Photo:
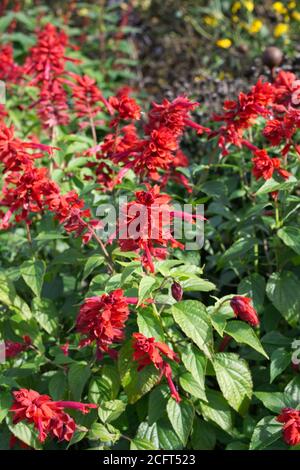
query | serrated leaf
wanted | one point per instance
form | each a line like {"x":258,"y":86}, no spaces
{"x":149,"y":324}
{"x":192,"y":318}
{"x":141,"y":444}
{"x":46,"y":314}
{"x":203,"y":436}
{"x":33,"y":273}
{"x":217,"y":410}
{"x":181,"y":416}
{"x":103,"y":433}
{"x":283,"y":291}
{"x":274,"y":401}
{"x":290,"y":237}
{"x":253,"y":286}
{"x":111,"y":410}
{"x":25,"y":432}
{"x":157,"y":403}
{"x":145,"y":288}
{"x":57,"y":385}
{"x":266,"y":432}
{"x":106,"y":386}
{"x":78,"y":375}
{"x":234,"y":378}
{"x":280,"y":360}
{"x":241,"y":332}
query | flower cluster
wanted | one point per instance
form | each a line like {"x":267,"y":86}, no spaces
{"x":47,"y":416}
{"x":102,"y":320}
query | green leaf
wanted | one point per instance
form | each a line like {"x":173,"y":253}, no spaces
{"x":280,"y":360}
{"x":266,"y":432}
{"x":5,"y":404}
{"x":195,"y":362}
{"x":149,"y":324}
{"x":158,"y":399}
{"x":26,"y":433}
{"x":241,"y":332}
{"x":111,"y":410}
{"x":197,"y":284}
{"x":141,"y":444}
{"x":238,"y":249}
{"x":135,"y":383}
{"x":192,"y":318}
{"x":105,"y":387}
{"x":293,"y":390}
{"x":168,"y":439}
{"x":103,"y":433}
{"x":9,"y":298}
{"x":33,"y":273}
{"x":272,"y":185}
{"x":78,"y":375}
{"x":274,"y":401}
{"x":145,"y":287}
{"x":290,"y":237}
{"x":192,"y":386}
{"x":92,"y":263}
{"x":148,"y":432}
{"x":57,"y":385}
{"x":254,"y":286}
{"x":217,"y":410}
{"x":234,"y":379}
{"x":203,"y":436}
{"x":181,"y":416}
{"x":46,"y":314}
{"x":283,"y":291}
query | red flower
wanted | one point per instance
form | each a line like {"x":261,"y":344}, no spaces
{"x":102,"y":320}
{"x":243,"y":309}
{"x":127,"y":107}
{"x":291,"y":425}
{"x":12,"y":348}
{"x":48,"y":416}
{"x":87,"y":96}
{"x":264,"y":166}
{"x":147,"y":351}
{"x":10,"y":72}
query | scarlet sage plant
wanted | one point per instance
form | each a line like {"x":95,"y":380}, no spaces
{"x":159,"y":327}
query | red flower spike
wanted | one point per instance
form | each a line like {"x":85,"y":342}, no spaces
{"x":147,"y":351}
{"x":48,"y":416}
{"x":102,"y":320}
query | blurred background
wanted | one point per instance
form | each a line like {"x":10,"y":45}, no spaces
{"x":206,"y":49}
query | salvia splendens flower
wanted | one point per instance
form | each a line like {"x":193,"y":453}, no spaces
{"x":47,"y":416}
{"x":147,"y":351}
{"x":291,"y":425}
{"x":244,"y":310}
{"x":102,"y":320}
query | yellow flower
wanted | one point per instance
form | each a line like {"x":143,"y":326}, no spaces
{"x":236,"y":7}
{"x":210,"y":20}
{"x":279,"y":8}
{"x":255,"y":26}
{"x":280,"y":29}
{"x":249,"y":5}
{"x":292,"y":5}
{"x":224,"y":43}
{"x":83,"y":12}
{"x":296,"y":15}
{"x":235,"y":18}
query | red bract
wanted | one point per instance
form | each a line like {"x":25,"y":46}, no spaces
{"x":291,"y":425}
{"x":264,"y":166}
{"x":13,"y":349}
{"x":52,"y":105}
{"x":87,"y":96}
{"x":102,"y":320}
{"x":174,"y":116}
{"x":146,"y":222}
{"x":126,"y":107}
{"x":10,"y":72}
{"x":46,"y":59}
{"x":48,"y":416}
{"x":244,"y":310}
{"x":147,"y":351}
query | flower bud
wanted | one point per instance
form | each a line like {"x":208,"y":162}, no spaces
{"x":177,"y":291}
